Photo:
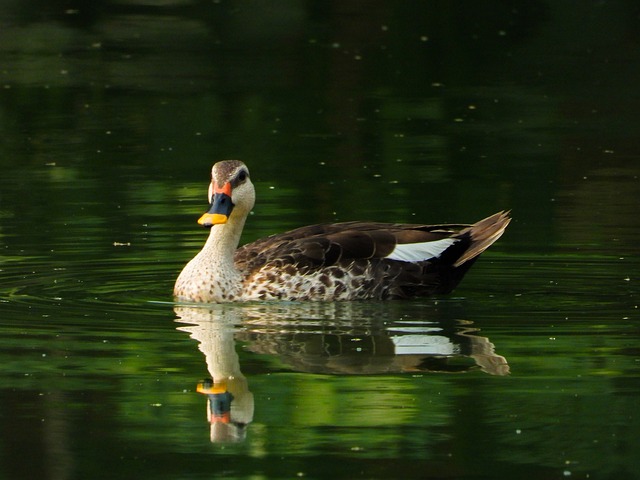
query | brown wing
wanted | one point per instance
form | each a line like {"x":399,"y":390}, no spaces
{"x":327,"y":244}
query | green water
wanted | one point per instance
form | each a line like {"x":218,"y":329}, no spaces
{"x":110,"y":118}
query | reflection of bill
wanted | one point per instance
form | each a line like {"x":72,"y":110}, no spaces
{"x":218,"y":402}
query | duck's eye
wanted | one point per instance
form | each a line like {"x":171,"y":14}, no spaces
{"x":242,"y":176}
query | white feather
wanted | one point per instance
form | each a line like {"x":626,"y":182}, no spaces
{"x":418,"y":252}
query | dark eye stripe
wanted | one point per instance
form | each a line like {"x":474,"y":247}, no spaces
{"x":241,"y":177}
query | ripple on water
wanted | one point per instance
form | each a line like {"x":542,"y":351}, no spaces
{"x":95,"y":288}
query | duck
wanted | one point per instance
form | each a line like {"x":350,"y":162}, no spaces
{"x":346,"y":261}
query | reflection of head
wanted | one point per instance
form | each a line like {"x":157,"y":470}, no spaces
{"x":223,"y":428}
{"x":228,"y":432}
{"x":220,"y":407}
{"x":228,"y":415}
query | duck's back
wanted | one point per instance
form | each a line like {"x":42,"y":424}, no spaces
{"x":361,"y":260}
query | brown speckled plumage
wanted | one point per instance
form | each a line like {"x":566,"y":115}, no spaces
{"x":343,"y":261}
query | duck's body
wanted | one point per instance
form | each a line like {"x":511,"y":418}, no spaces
{"x":342,"y":261}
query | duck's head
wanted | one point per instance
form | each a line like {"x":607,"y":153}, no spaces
{"x":230,"y":192}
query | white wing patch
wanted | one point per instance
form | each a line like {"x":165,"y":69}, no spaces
{"x":418,"y":252}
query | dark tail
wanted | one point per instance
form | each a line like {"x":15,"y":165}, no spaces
{"x":483,"y":234}
{"x":456,"y":261}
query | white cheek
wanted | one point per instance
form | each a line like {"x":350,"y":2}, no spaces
{"x":210,"y":193}
{"x":418,"y":252}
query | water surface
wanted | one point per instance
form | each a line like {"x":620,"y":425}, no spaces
{"x":110,"y":118}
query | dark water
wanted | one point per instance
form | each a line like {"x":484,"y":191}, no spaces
{"x":110,"y":118}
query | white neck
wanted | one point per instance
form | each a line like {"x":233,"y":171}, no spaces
{"x":223,"y":241}
{"x":211,"y":275}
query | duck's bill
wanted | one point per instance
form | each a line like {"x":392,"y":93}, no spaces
{"x":211,"y":219}
{"x":219,"y":212}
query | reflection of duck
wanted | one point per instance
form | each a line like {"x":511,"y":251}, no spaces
{"x":325,"y":338}
{"x":344,"y":261}
{"x":360,"y":339}
{"x":229,"y":401}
